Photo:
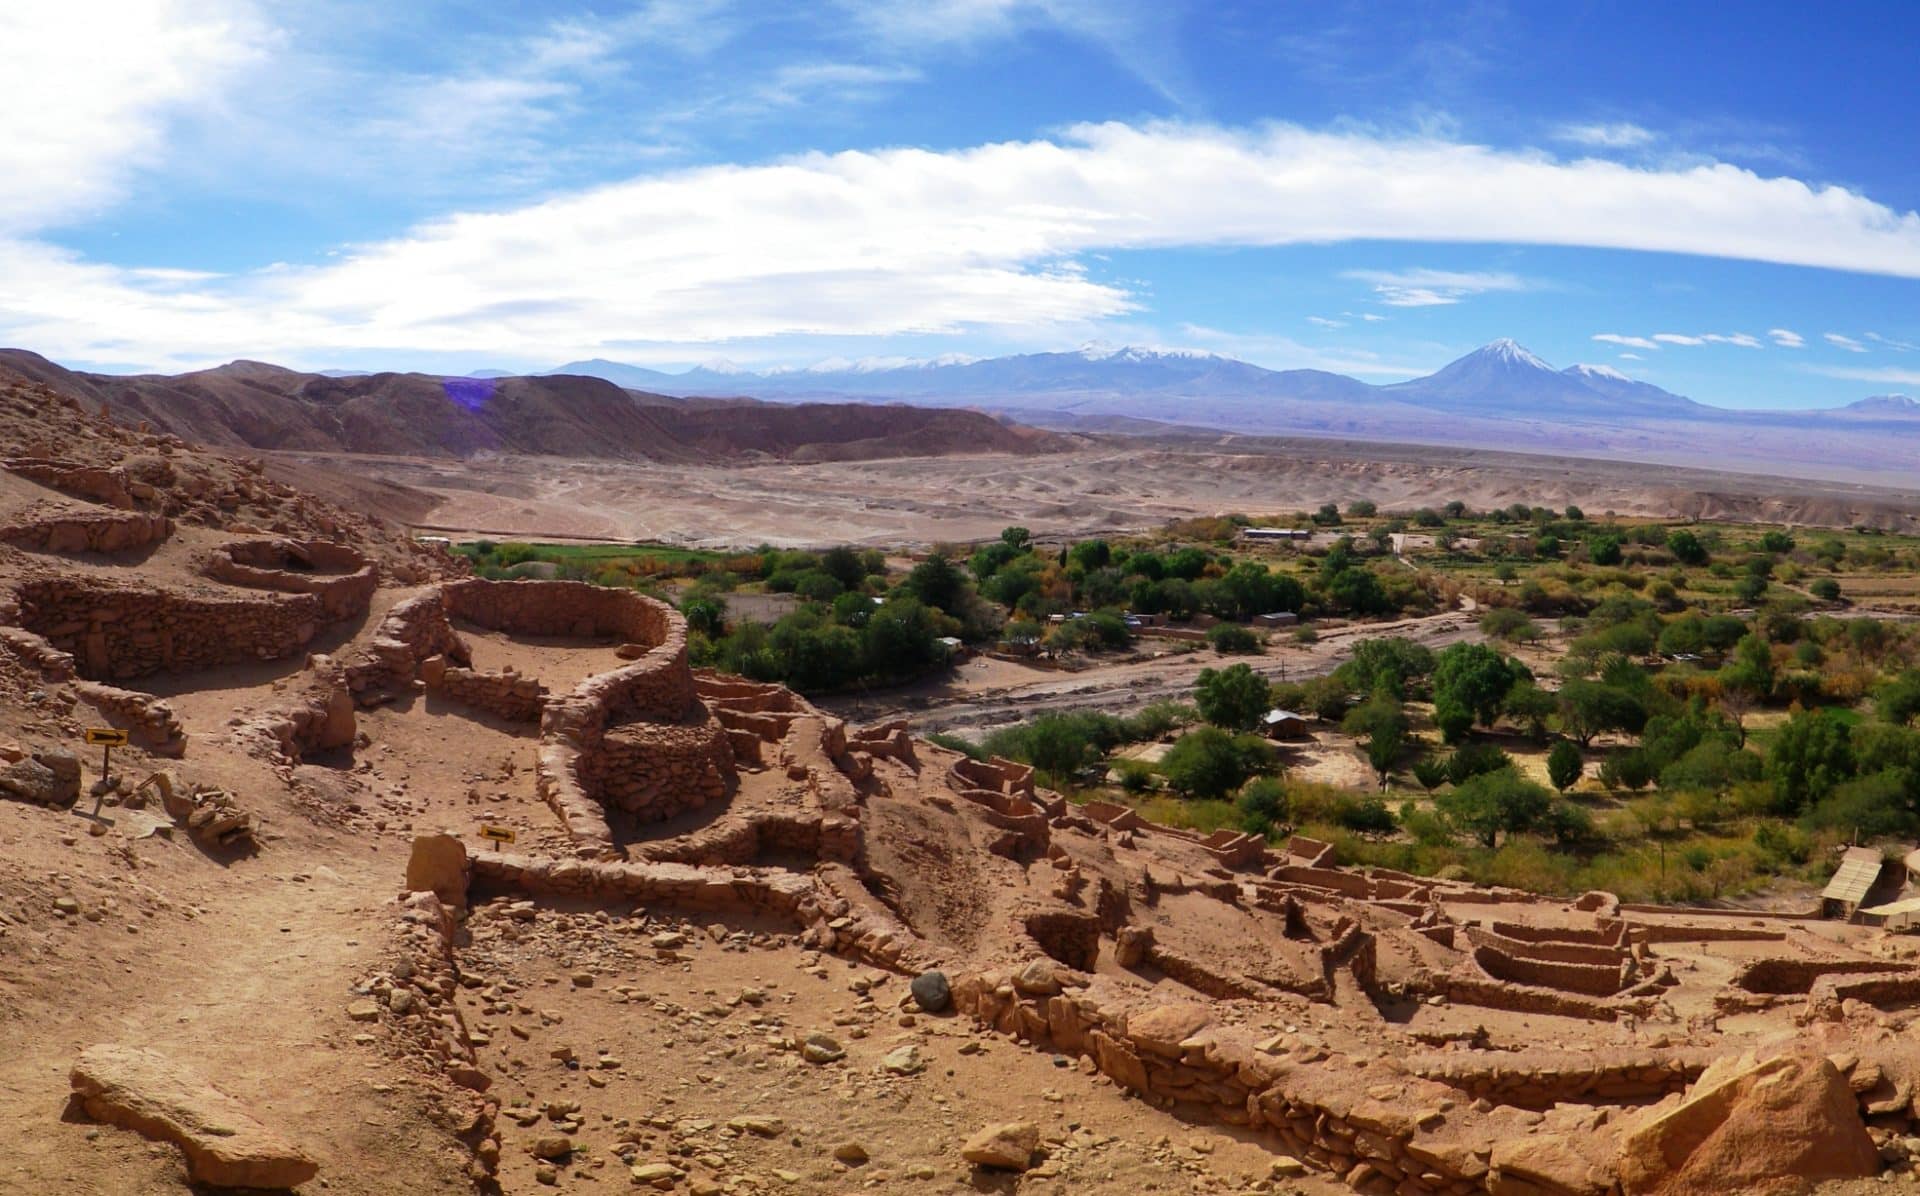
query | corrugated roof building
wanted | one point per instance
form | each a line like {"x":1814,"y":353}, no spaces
{"x":1859,"y":872}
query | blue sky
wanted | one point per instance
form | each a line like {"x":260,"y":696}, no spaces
{"x":1721,"y":201}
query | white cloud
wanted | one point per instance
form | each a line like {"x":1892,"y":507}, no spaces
{"x":1324,"y":322}
{"x":1744,"y":340}
{"x":1279,"y":352}
{"x":1632,"y":342}
{"x":91,"y":86}
{"x":1631,"y":357}
{"x":1898,"y":377}
{"x":1845,"y":342}
{"x":1620,"y":135}
{"x":909,"y":240}
{"x":1898,"y":346}
{"x":1786,"y":338}
{"x":1676,"y":338}
{"x":1433,"y":288}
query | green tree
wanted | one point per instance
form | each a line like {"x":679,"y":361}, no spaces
{"x":1234,"y":697}
{"x":1564,"y":765}
{"x":1430,"y":773}
{"x":1493,"y":803}
{"x":1898,"y":701}
{"x":1810,"y":757}
{"x":1209,"y":762}
{"x":936,"y":583}
{"x":1604,"y":550}
{"x":1530,"y":706}
{"x":1589,"y":707}
{"x":1090,"y":554}
{"x":845,"y":566}
{"x":1394,"y":663}
{"x":1469,"y":683}
{"x":1509,"y":623}
{"x":900,"y":639}
{"x":706,"y":614}
{"x":1380,"y":723}
{"x":1686,"y":547}
{"x":1017,"y":538}
{"x":1826,"y":589}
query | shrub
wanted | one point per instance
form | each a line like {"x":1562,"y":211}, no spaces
{"x":1564,"y":765}
{"x":1231,"y":639}
{"x":1209,"y":762}
{"x":1262,"y":805}
{"x":1475,"y":759}
{"x":1825,"y":588}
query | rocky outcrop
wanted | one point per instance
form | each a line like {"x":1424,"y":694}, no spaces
{"x":224,"y":1144}
{"x":1749,"y":1125}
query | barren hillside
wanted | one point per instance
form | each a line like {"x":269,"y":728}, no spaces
{"x":255,"y":405}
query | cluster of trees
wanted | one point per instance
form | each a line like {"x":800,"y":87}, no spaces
{"x":1091,"y":575}
{"x":850,"y":628}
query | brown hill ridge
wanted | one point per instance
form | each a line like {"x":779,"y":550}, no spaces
{"x":256,"y":405}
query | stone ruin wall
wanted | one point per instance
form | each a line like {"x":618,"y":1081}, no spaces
{"x":340,"y":577}
{"x":1542,"y":1079}
{"x":105,"y":484}
{"x":88,"y":531}
{"x":1786,"y":975}
{"x":636,"y":738}
{"x":145,"y":717}
{"x":117,"y":632}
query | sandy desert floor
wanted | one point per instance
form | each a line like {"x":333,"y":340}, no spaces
{"x":1110,"y":486}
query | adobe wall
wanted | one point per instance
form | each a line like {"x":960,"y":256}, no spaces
{"x":1587,"y":979}
{"x":115,"y":632}
{"x":1779,"y":975}
{"x":1829,"y":993}
{"x":340,"y":577}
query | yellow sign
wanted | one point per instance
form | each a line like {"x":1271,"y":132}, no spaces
{"x":497,"y":834}
{"x":106,"y":737}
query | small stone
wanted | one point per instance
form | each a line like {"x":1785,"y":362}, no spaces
{"x":932,"y":992}
{"x":66,"y":905}
{"x":822,"y":1048}
{"x":851,"y":1153}
{"x":553,"y":1147}
{"x":759,"y":1127}
{"x":1008,"y":1146}
{"x":1286,"y":1166}
{"x":364,"y":1010}
{"x":904,"y":1061}
{"x":546,"y":1174}
{"x":660,"y":1175}
{"x":583,"y":979}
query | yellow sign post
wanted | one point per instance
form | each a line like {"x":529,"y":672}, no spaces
{"x":497,"y":834}
{"x":106,"y":739}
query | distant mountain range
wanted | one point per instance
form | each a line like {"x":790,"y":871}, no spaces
{"x":1499,"y":395}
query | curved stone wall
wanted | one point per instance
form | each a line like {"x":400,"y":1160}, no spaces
{"x":635,"y":738}
{"x":341,"y":578}
{"x":117,"y":631}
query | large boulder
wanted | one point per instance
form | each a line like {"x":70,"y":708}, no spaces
{"x":438,"y":864}
{"x":1749,"y":1125}
{"x":225,"y":1146}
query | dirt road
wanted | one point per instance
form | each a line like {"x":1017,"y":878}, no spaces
{"x":985,"y":694}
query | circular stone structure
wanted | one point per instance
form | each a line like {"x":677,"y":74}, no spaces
{"x":340,"y":577}
{"x":635,"y":739}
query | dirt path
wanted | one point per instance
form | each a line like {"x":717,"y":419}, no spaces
{"x":978,"y":698}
